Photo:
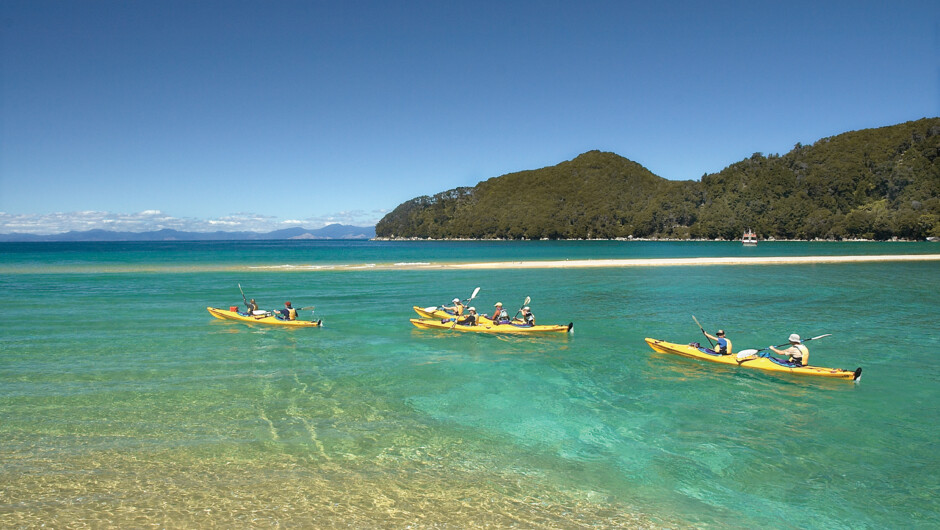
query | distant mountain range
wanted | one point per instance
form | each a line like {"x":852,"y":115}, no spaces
{"x":333,"y":231}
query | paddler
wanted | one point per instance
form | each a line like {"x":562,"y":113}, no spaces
{"x":500,"y":316}
{"x":289,"y":312}
{"x":470,"y":319}
{"x":527,"y":317}
{"x":252,"y":307}
{"x":797,"y":353}
{"x":722,"y":345}
{"x":457,"y":308}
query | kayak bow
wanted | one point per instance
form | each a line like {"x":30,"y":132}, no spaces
{"x":432,"y":312}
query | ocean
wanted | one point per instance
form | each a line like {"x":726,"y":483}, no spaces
{"x":123,"y":403}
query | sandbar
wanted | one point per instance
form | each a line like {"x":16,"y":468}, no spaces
{"x":666,"y":262}
{"x":609,"y":263}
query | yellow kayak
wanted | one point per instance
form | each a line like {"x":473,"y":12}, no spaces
{"x":769,"y":364}
{"x":488,"y":326}
{"x":436,"y":313}
{"x":432,"y":312}
{"x":225,"y":314}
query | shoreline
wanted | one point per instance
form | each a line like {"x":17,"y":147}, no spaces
{"x":656,"y":239}
{"x":611,"y":263}
{"x":672,"y":262}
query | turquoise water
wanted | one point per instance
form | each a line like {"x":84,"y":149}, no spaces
{"x":243,"y":256}
{"x":124,"y":403}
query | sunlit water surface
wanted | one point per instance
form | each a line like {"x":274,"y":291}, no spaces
{"x":124,"y":403}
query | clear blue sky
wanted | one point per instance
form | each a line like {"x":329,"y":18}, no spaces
{"x":213,"y":115}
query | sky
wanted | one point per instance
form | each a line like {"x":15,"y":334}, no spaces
{"x":251,"y":115}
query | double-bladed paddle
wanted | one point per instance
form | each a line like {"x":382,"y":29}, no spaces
{"x":468,"y":300}
{"x":243,"y":295}
{"x":251,"y":311}
{"x":747,"y":355}
{"x":433,"y":308}
{"x":524,"y":303}
{"x":474,"y":295}
{"x":703,"y":331}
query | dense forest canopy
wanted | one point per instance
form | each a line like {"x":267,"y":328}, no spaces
{"x":870,"y":184}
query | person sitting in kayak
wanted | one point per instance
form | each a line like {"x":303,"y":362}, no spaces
{"x":252,"y":307}
{"x":500,"y":316}
{"x":288,"y":313}
{"x":456,"y":309}
{"x":797,"y":354}
{"x":528,"y":319}
{"x":470,"y":319}
{"x":723,"y":345}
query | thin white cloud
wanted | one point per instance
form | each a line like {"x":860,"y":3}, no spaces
{"x":151,"y":220}
{"x":350,"y":217}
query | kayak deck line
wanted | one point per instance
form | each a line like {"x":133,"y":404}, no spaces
{"x":488,"y":326}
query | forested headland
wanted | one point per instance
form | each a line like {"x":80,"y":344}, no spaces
{"x":877,"y":184}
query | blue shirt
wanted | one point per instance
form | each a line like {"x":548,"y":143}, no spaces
{"x":722,"y":345}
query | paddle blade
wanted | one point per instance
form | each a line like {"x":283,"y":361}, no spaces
{"x":475,"y":293}
{"x":747,"y":354}
{"x":431,"y":309}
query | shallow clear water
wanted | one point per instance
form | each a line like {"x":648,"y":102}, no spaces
{"x":123,"y":402}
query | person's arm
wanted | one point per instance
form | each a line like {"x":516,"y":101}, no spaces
{"x":788,"y":352}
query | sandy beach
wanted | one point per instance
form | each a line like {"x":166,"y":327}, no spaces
{"x":666,"y":262}
{"x":611,"y":263}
